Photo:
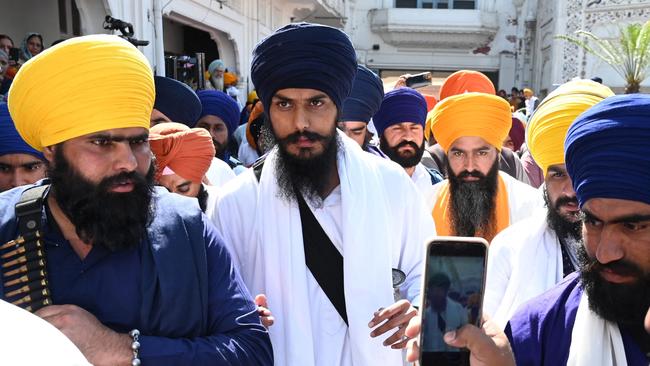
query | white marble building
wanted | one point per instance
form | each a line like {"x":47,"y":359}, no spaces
{"x":512,"y":41}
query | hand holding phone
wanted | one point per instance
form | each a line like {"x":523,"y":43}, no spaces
{"x":418,"y":80}
{"x":452,"y":296}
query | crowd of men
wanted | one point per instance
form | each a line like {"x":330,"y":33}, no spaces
{"x":145,"y":223}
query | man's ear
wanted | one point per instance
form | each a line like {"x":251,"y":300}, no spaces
{"x":48,"y":152}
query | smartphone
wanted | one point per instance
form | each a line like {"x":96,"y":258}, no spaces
{"x":452,"y":296}
{"x":14,"y":54}
{"x":419,"y":80}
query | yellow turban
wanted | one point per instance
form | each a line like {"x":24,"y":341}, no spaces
{"x":549,"y":124}
{"x":471,"y":114}
{"x":81,"y":86}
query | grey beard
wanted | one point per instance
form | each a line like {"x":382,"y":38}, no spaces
{"x":217,"y":83}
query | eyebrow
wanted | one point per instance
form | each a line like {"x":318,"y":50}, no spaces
{"x":184,"y":184}
{"x":633,"y":218}
{"x":287,"y":99}
{"x":556,"y":170}
{"x":477,"y":149}
{"x":357,"y":129}
{"x":119,"y":138}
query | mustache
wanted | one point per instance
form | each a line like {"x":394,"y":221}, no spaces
{"x":135,"y":178}
{"x":466,"y":174}
{"x":311,"y":136}
{"x":620,"y":267}
{"x":565,"y":200}
{"x":407,"y":143}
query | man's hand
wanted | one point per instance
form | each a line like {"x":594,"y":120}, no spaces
{"x":401,"y":82}
{"x":99,"y":344}
{"x":394,"y":316}
{"x":488,"y":346}
{"x":262,"y":310}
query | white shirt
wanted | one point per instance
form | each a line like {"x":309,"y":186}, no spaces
{"x":26,"y":339}
{"x":422,"y":180}
{"x":219,"y":173}
{"x":454,"y":315}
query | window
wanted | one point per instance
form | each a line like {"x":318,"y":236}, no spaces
{"x":436,"y":4}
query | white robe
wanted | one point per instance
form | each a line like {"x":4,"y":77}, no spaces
{"x":27,"y":339}
{"x":219,"y":173}
{"x":524,"y":261}
{"x":523,"y":200}
{"x":379,"y":223}
{"x":422,"y":180}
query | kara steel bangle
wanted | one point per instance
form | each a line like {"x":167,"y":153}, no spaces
{"x":135,"y":346}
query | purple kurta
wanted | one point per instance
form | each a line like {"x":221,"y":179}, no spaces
{"x":540,"y":331}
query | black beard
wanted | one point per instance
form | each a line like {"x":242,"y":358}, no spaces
{"x":202,"y":197}
{"x":307,"y":175}
{"x":625,"y":304}
{"x":473,"y":203}
{"x":562,"y":227}
{"x":114,"y":221}
{"x":219,"y":149}
{"x":394,"y":155}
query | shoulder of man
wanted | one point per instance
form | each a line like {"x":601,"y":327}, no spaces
{"x":545,"y":323}
{"x":8,"y":222}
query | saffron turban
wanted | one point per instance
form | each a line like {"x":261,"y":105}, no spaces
{"x":220,"y":104}
{"x":466,"y":81}
{"x":400,"y":105}
{"x":551,"y":120}
{"x":229,"y":78}
{"x":177,"y":101}
{"x":81,"y":86}
{"x":607,"y":152}
{"x":10,"y":140}
{"x":471,"y":114}
{"x":186,"y":151}
{"x":305,"y":56}
{"x":365,"y":97}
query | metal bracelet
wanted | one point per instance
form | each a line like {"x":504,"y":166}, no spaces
{"x":135,"y":346}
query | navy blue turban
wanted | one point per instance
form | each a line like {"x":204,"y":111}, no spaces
{"x":365,"y":98}
{"x":220,"y":104}
{"x":400,"y":105}
{"x":305,"y":56}
{"x":177,"y":101}
{"x":607,"y":150}
{"x":10,"y":140}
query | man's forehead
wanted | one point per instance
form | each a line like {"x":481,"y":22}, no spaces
{"x":468,"y":143}
{"x":119,"y":132}
{"x":557,"y":168}
{"x":299,"y":93}
{"x":19,"y":159}
{"x":610,"y":209}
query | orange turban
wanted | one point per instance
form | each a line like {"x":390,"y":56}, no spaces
{"x":471,"y":114}
{"x":186,"y":151}
{"x":466,"y":81}
{"x":229,"y":78}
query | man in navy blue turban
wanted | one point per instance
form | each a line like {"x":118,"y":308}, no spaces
{"x":175,"y":102}
{"x":20,"y":164}
{"x":358,"y":109}
{"x":317,"y":188}
{"x":220,"y":116}
{"x":596,"y":315}
{"x":400,"y":125}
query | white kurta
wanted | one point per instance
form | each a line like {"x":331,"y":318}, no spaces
{"x":27,"y":339}
{"x":246,"y":154}
{"x":219,"y":173}
{"x":524,"y":261}
{"x":422,"y":180}
{"x":378,"y":221}
{"x":523,"y":199}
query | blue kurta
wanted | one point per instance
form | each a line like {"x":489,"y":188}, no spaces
{"x":111,"y":287}
{"x":540,"y":331}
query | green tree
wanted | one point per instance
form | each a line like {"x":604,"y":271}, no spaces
{"x":629,"y":55}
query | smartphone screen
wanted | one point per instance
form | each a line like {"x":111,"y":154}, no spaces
{"x":453,"y":296}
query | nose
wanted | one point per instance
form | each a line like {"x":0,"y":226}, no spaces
{"x":470,"y":163}
{"x":16,"y":179}
{"x":124,"y":159}
{"x":609,"y":246}
{"x":300,"y":119}
{"x":567,"y":188}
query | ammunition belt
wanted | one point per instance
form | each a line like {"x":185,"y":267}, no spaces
{"x":24,"y":272}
